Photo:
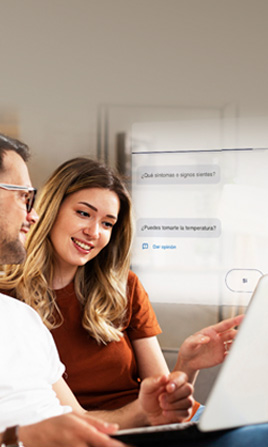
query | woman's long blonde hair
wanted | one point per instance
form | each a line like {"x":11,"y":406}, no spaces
{"x":100,"y":284}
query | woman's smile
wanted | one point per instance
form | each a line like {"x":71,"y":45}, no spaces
{"x":80,"y":245}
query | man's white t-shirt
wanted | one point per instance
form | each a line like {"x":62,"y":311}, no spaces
{"x":29,"y":366}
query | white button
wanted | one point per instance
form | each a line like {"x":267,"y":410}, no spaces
{"x":242,"y":280}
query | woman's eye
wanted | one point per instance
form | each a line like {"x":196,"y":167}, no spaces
{"x":108,"y":224}
{"x":83,"y":213}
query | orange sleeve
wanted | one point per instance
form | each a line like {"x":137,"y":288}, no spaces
{"x":194,"y":410}
{"x":142,"y":319}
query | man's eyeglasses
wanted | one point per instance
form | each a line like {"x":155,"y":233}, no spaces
{"x":29,"y":197}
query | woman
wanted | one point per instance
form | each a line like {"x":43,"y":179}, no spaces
{"x":77,"y":277}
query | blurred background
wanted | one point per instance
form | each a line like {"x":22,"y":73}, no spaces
{"x":76,"y":73}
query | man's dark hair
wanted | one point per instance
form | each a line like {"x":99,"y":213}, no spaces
{"x":11,"y":144}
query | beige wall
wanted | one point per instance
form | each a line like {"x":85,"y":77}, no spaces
{"x":62,"y":59}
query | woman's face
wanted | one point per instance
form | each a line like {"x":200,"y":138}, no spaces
{"x":83,"y":226}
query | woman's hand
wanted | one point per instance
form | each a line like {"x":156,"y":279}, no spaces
{"x":207,"y":347}
{"x":166,"y":399}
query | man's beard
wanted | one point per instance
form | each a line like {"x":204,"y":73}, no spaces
{"x":12,"y":252}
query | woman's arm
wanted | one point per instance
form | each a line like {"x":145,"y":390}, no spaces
{"x":149,"y":357}
{"x":172,"y":402}
{"x":203,"y":349}
{"x":131,"y":415}
{"x":147,"y":409}
{"x":207,"y":347}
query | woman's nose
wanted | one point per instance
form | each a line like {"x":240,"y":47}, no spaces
{"x":92,"y":230}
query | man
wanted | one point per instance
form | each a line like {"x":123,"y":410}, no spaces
{"x":33,"y":396}
{"x":60,"y":427}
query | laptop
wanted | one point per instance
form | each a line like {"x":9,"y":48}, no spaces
{"x":239,"y":394}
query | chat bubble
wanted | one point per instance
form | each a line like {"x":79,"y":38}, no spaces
{"x":198,"y":228}
{"x":187,"y":174}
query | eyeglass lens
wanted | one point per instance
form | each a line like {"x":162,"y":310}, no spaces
{"x":30,"y":201}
